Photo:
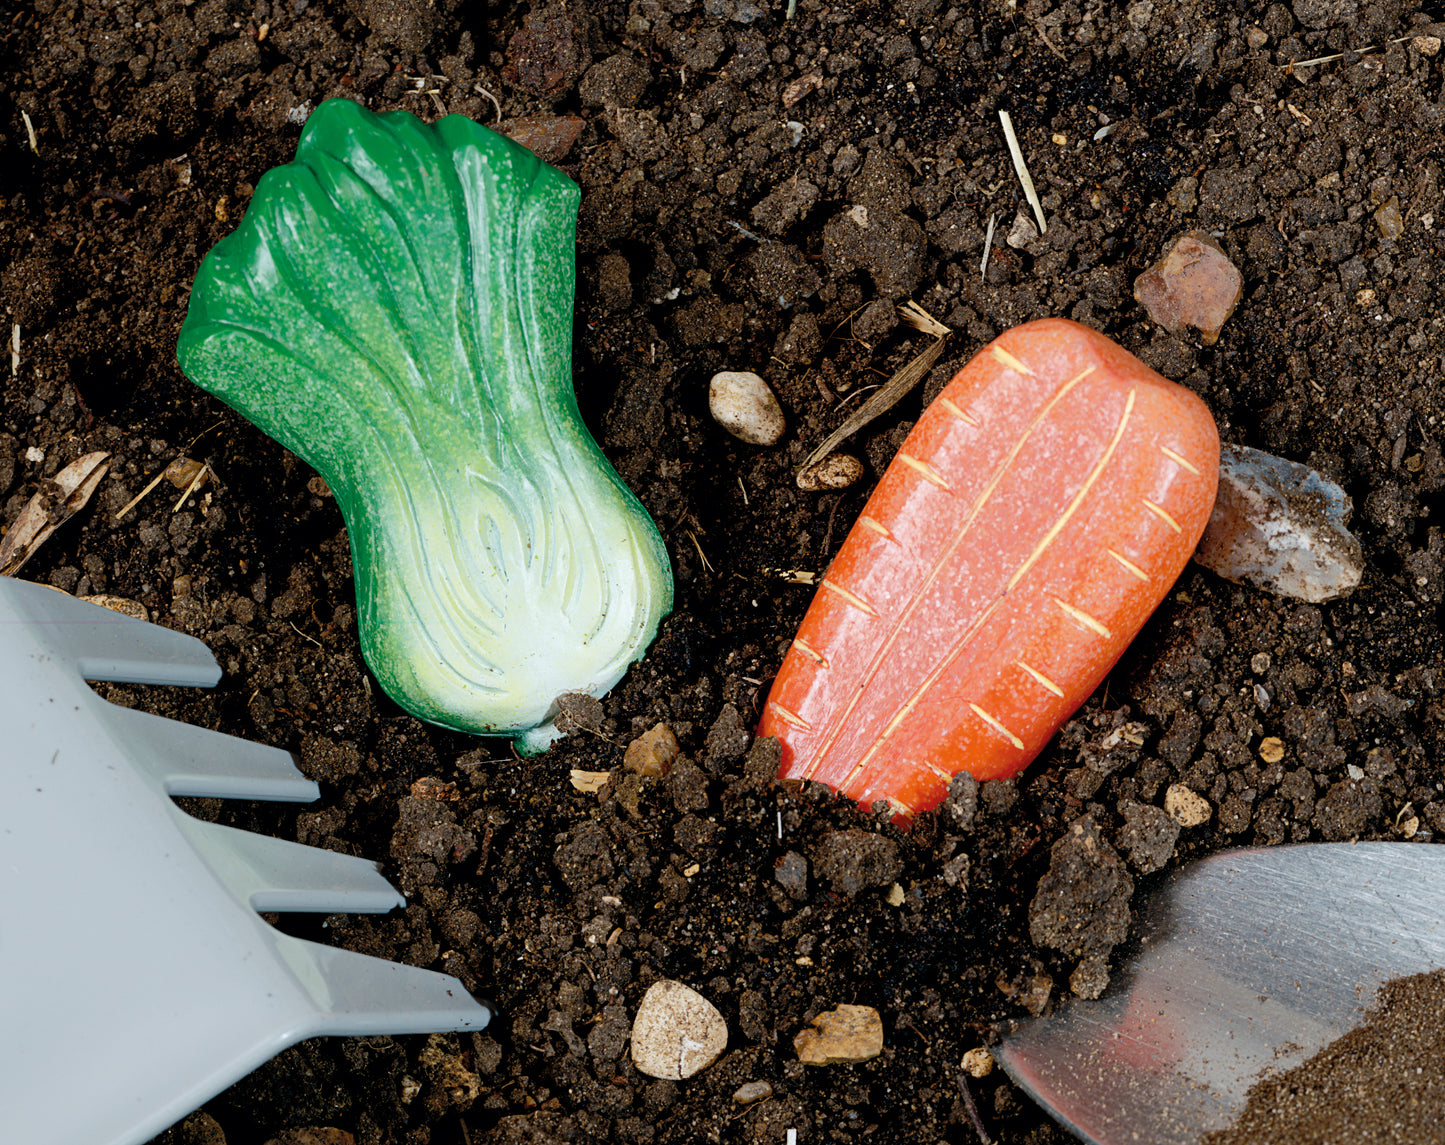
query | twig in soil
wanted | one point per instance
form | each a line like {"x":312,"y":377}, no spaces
{"x":742,"y":230}
{"x":187,"y":447}
{"x":141,"y":496}
{"x":30,"y":131}
{"x":744,"y":488}
{"x":794,"y":576}
{"x":921,"y":320}
{"x":1022,"y":170}
{"x":156,"y":480}
{"x":1341,"y":55}
{"x":303,"y":635}
{"x":972,"y":1110}
{"x":987,"y":244}
{"x":15,"y":349}
{"x":480,"y":90}
{"x":858,"y":393}
{"x":832,"y":513}
{"x":1039,"y":28}
{"x":702,"y":556}
{"x":485,"y":849}
{"x":887,"y":396}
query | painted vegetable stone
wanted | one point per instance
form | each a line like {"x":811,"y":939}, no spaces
{"x":1037,"y":514}
{"x":396,"y":308}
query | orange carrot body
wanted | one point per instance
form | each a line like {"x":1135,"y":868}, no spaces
{"x":1037,"y":514}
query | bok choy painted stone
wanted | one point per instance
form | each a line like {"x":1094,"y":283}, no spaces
{"x":396,"y":308}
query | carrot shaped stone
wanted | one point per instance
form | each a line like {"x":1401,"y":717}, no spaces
{"x":1037,"y":514}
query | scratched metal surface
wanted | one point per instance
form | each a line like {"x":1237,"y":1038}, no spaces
{"x":1247,"y":962}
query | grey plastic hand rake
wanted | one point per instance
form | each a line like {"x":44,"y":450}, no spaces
{"x":136,"y":978}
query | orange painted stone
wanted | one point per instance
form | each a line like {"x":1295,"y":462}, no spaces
{"x":1037,"y":514}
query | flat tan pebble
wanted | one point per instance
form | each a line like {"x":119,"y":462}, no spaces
{"x":836,"y":471}
{"x":202,"y":1129}
{"x":978,"y":1062}
{"x":124,"y":605}
{"x":841,"y":1035}
{"x":653,"y":753}
{"x":1271,"y":749}
{"x":752,"y":1091}
{"x":313,"y":1135}
{"x":1389,"y":219}
{"x":1193,"y":286}
{"x":183,"y":470}
{"x":744,"y":406}
{"x":589,"y":782}
{"x":1185,"y":807}
{"x":677,"y":1032}
{"x":1426,"y":45}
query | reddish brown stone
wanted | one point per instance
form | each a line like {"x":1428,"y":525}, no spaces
{"x":1193,"y":286}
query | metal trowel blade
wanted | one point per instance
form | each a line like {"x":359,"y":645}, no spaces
{"x":1245,"y":964}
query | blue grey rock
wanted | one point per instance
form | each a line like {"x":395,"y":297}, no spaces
{"x":1280,"y":526}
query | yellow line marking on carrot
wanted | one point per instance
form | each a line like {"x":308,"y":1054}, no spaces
{"x":1162,"y":514}
{"x":926,"y":471}
{"x":788,"y":717}
{"x":997,"y":726}
{"x":1078,"y":498}
{"x":1134,"y":569}
{"x":1178,"y":459}
{"x":1043,"y":681}
{"x":1007,"y":360}
{"x":947,"y":777}
{"x":944,"y":557}
{"x":918,"y":693}
{"x":958,"y":412}
{"x":852,"y":598}
{"x":1076,"y":613}
{"x":875,"y":526}
{"x":810,"y":652}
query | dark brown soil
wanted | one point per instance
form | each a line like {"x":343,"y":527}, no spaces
{"x":722,"y":152}
{"x":1382,"y":1083}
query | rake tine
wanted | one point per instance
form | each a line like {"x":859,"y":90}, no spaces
{"x":102,"y":644}
{"x":187,"y":760}
{"x":366,"y":995}
{"x":271,"y":874}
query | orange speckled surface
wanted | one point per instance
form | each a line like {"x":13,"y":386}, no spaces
{"x":1037,"y":514}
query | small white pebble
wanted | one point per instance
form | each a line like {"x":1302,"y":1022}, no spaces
{"x":977,"y":1062}
{"x":752,"y":1091}
{"x":34,"y":453}
{"x":743,"y":405}
{"x":677,"y":1032}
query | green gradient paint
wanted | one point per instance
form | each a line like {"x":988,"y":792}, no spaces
{"x":396,"y":309}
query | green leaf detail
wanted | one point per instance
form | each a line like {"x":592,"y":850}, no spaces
{"x":396,"y":309}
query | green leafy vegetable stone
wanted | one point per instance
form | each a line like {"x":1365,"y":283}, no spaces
{"x":396,"y":308}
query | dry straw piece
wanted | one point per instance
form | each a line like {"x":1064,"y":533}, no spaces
{"x":890,"y":392}
{"x":1022,"y":168}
